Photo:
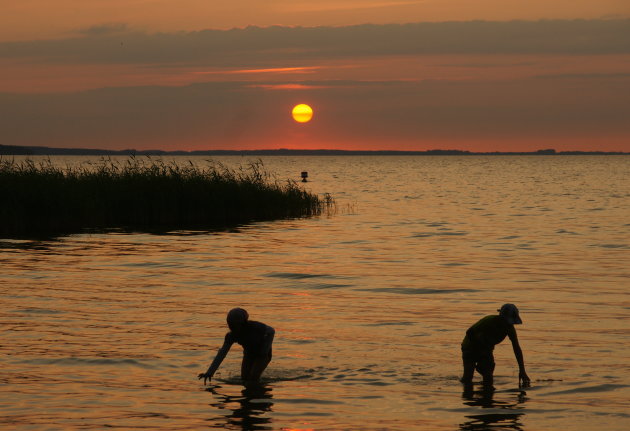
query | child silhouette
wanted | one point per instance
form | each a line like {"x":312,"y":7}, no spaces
{"x":256,"y":339}
{"x":479,"y":342}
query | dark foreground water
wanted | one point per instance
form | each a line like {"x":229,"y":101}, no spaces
{"x":369,"y":305}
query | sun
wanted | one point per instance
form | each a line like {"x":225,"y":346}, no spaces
{"x":302,"y":113}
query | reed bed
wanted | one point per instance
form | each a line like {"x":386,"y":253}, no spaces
{"x":39,"y":198}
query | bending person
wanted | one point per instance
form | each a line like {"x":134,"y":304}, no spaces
{"x":479,"y":342}
{"x":256,"y":339}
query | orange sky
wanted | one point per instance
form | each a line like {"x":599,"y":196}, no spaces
{"x":146,"y":74}
{"x":35,"y":19}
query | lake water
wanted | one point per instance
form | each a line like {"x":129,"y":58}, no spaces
{"x":369,"y":305}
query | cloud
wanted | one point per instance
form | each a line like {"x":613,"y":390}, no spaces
{"x":416,"y":84}
{"x":274,"y":70}
{"x":335,"y":6}
{"x":598,"y":76}
{"x":255,"y":46}
{"x":104,"y":29}
{"x":288,"y":86}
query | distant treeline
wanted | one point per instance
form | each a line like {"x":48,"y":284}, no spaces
{"x":41,"y":199}
{"x":50,"y":151}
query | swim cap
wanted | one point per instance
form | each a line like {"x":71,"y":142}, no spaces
{"x":510,"y":313}
{"x":236,"y":316}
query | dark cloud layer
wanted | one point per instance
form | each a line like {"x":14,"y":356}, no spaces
{"x":114,"y":43}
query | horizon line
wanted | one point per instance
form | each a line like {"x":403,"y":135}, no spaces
{"x":18,"y":150}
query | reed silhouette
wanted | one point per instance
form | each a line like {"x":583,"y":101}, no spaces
{"x":40,"y":198}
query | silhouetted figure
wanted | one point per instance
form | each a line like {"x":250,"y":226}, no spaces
{"x":256,"y":339}
{"x":479,"y":342}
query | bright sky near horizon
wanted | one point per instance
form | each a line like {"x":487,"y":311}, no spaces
{"x":200,"y":74}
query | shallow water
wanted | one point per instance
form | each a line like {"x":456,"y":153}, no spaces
{"x":369,"y":305}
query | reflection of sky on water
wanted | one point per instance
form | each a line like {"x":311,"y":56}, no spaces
{"x":369,"y":308}
{"x":246,"y":410}
{"x":506,"y":414}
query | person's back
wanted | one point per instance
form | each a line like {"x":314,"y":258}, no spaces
{"x":251,"y":337}
{"x":488,"y":332}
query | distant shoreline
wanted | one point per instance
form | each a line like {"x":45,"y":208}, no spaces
{"x":14,"y":150}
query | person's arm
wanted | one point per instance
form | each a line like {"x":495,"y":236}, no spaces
{"x":518,"y":354}
{"x":221,"y":354}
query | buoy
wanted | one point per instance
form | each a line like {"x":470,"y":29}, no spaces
{"x":304,"y":176}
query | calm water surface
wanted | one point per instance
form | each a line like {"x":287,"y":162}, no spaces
{"x":369,"y":305}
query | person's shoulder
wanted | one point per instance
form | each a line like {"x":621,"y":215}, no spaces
{"x":500,"y":320}
{"x":494,"y":320}
{"x":229,"y":337}
{"x":489,"y":318}
{"x":256,"y":325}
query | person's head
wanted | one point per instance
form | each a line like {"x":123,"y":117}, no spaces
{"x":510,"y":313}
{"x":236,"y":319}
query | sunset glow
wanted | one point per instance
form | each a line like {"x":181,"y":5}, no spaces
{"x":379,"y":183}
{"x":392,"y":74}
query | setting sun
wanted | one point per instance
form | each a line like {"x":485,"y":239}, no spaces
{"x":302,"y":113}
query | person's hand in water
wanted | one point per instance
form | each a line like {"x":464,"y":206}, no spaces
{"x":205,"y":377}
{"x":523,"y":380}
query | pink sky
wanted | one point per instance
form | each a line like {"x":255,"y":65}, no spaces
{"x":148,"y":74}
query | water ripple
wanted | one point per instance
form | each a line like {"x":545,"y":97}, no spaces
{"x":415,"y":290}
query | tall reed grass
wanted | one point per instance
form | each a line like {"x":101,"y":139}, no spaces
{"x":39,"y":198}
